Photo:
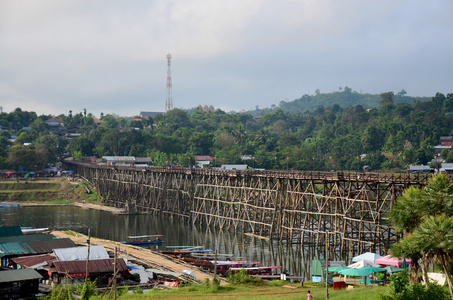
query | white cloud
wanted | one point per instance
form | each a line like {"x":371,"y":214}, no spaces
{"x":237,"y":53}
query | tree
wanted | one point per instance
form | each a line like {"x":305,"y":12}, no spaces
{"x":412,"y":210}
{"x":387,"y":98}
{"x":435,"y":237}
{"x":23,"y":137}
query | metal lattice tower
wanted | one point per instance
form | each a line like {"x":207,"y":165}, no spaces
{"x":169,"y":100}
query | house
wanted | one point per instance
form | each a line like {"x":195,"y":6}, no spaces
{"x":99,"y":270}
{"x":55,"y":123}
{"x":439,"y":148}
{"x":234,"y":167}
{"x":447,"y":168}
{"x":19,"y":284}
{"x":418,"y":169}
{"x":446,"y":140}
{"x":143,"y":161}
{"x":119,"y":159}
{"x":97,"y":121}
{"x":204,"y":160}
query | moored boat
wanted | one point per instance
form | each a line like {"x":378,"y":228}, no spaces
{"x":140,"y":240}
{"x":9,"y":204}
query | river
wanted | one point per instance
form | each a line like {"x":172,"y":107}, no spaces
{"x":114,"y":227}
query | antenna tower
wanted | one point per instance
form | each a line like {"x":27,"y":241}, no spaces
{"x":169,"y":100}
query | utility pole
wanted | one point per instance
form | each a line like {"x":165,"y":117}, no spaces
{"x":327,"y":267}
{"x":88,"y":255}
{"x":114,"y":274}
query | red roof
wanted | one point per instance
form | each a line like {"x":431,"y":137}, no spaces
{"x":204,"y":157}
{"x":94,"y":266}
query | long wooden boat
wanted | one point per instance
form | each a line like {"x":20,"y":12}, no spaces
{"x":9,"y":204}
{"x":140,"y":240}
{"x":29,"y":230}
{"x":223,"y":266}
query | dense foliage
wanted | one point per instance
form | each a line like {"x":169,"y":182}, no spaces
{"x":392,"y":135}
{"x":426,"y":217}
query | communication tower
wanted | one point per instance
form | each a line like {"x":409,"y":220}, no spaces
{"x":169,"y":100}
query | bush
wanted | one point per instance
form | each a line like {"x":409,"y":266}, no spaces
{"x":243,"y":278}
{"x":402,"y":290}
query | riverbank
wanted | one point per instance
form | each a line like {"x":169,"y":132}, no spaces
{"x":142,"y":255}
{"x":58,"y":191}
{"x":113,"y":210}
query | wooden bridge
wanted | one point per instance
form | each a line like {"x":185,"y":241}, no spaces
{"x":345,"y":210}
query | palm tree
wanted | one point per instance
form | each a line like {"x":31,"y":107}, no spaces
{"x":408,"y":248}
{"x":434,"y":237}
{"x":409,"y":210}
{"x":439,"y":191}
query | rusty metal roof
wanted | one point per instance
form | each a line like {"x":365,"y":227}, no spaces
{"x":34,"y":261}
{"x":48,"y":246}
{"x":94,"y":266}
{"x":19,"y":275}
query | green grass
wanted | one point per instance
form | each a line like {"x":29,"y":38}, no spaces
{"x":266,"y":291}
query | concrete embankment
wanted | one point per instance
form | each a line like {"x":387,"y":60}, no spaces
{"x":142,"y":255}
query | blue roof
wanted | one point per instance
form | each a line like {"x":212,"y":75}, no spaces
{"x":10,"y":231}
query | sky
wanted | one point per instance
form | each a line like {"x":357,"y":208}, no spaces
{"x":110,"y":55}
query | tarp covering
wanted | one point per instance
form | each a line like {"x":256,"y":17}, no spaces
{"x":390,"y":260}
{"x":316,"y":268}
{"x":81,"y":253}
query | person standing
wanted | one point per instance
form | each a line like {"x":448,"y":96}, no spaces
{"x":309,"y":296}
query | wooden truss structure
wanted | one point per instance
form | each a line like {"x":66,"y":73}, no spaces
{"x":345,"y":210}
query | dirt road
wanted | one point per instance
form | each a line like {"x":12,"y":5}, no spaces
{"x":147,"y":256}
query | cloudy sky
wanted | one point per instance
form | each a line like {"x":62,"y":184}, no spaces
{"x":110,"y":55}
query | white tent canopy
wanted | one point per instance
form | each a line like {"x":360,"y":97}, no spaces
{"x":363,"y":263}
{"x":367,"y":256}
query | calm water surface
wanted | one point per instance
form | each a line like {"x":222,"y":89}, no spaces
{"x":117,"y":227}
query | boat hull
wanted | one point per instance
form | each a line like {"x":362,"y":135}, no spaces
{"x":143,"y":243}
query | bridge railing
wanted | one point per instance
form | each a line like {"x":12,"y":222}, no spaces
{"x":283,"y":174}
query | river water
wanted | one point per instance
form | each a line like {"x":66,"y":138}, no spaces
{"x":109,"y":226}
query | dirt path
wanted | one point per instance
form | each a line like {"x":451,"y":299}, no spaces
{"x":152,"y":258}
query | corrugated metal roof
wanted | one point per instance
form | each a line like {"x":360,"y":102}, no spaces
{"x":81,"y":253}
{"x":34,"y":261}
{"x":48,"y":246}
{"x":119,"y":158}
{"x":34,"y":247}
{"x":94,"y":266}
{"x":12,"y":248}
{"x":10,"y":231}
{"x":19,"y":275}
{"x":234,"y":167}
{"x":24,"y":238}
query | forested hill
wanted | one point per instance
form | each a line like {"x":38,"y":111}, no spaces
{"x":386,"y":138}
{"x":344,"y":98}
